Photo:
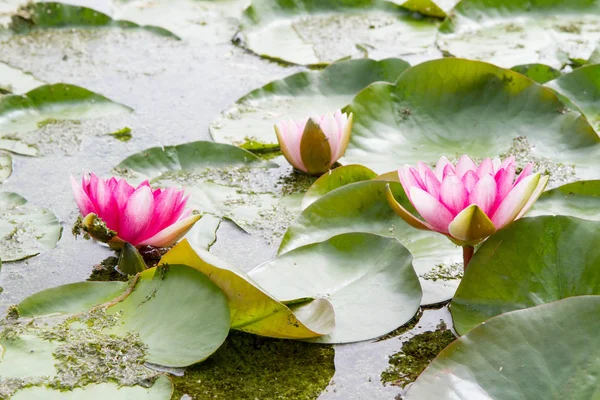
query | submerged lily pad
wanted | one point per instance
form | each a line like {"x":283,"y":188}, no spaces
{"x":317,"y":33}
{"x":252,"y":309}
{"x":582,"y":89}
{"x":369,"y":280}
{"x":6,"y":166}
{"x":519,"y":32}
{"x":20,"y":113}
{"x":25,"y":229}
{"x":452,"y":107}
{"x":578,"y":199}
{"x":535,"y":261}
{"x":58,"y":15}
{"x":15,"y":81}
{"x":253,"y":116}
{"x":362,"y":207}
{"x":545,"y":352}
{"x":224,"y":181}
{"x":538,"y":72}
{"x":437,"y":8}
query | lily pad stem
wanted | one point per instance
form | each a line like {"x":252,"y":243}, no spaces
{"x":467,"y":255}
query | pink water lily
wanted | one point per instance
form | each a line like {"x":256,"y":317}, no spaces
{"x":467,"y":202}
{"x":313,"y":145}
{"x":138,"y":215}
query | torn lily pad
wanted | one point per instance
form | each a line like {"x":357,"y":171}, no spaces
{"x":318,"y":33}
{"x":58,"y":15}
{"x":25,"y":229}
{"x":254,"y":310}
{"x":253,"y":116}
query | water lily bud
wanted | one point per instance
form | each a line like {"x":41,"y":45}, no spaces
{"x":314,"y":144}
{"x":467,"y":202}
{"x":116,"y":212}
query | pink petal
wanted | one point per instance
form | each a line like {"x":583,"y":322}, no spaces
{"x":485,"y":168}
{"x":484,"y":194}
{"x":454,"y":195}
{"x":431,"y":182}
{"x":432,"y":211}
{"x":409,"y":177}
{"x":122,"y":193}
{"x":137,"y":215}
{"x":81,"y":198}
{"x":106,"y":204}
{"x":164,"y":206}
{"x":514,"y":202}
{"x":470,"y":179}
{"x":524,"y":173}
{"x":172,"y":233}
{"x":504,"y":183}
{"x":536,"y":194}
{"x":440,"y":168}
{"x":331,"y":130}
{"x":507,"y":163}
{"x":465,"y":164}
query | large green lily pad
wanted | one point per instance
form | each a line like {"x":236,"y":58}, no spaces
{"x":578,"y":199}
{"x":20,"y":113}
{"x":535,"y":261}
{"x":224,"y":181}
{"x":582,"y":89}
{"x":162,"y":389}
{"x":303,"y":94}
{"x":362,"y":207}
{"x":545,"y":352}
{"x":369,"y":280}
{"x":58,"y":15}
{"x":25,"y":229}
{"x":315,"y":33}
{"x":13,"y":80}
{"x":451,"y":107}
{"x":252,"y":309}
{"x":514,"y":32}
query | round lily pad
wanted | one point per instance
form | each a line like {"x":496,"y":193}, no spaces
{"x":520,"y":32}
{"x":253,"y":116}
{"x":582,"y":89}
{"x":578,"y":199}
{"x":534,"y":261}
{"x":362,"y":207}
{"x":307,"y":32}
{"x":25,"y":229}
{"x":369,"y":280}
{"x":452,"y":106}
{"x":545,"y":352}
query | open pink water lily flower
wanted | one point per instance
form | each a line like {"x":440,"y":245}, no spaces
{"x":138,"y":215}
{"x":313,"y":145}
{"x":467,"y":202}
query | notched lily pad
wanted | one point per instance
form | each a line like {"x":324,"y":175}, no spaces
{"x":317,"y":33}
{"x":578,"y":199}
{"x":369,"y":280}
{"x":562,"y":260}
{"x":25,"y":229}
{"x":544,"y":352}
{"x":252,"y":117}
{"x":57,"y":15}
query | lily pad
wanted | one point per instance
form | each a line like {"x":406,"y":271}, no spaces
{"x":58,"y":15}
{"x":545,"y":352}
{"x":578,"y":199}
{"x":334,"y":179}
{"x":253,"y":116}
{"x":20,"y":113}
{"x":252,"y":309}
{"x":534,"y":261}
{"x":6,"y":166}
{"x":162,"y":389}
{"x":362,"y":207}
{"x":452,"y":107}
{"x":437,"y":8}
{"x":204,"y":232}
{"x":177,"y":312}
{"x":582,"y":89}
{"x":518,"y":32}
{"x":538,"y":72}
{"x":15,"y":81}
{"x":225,"y":181}
{"x":317,"y":33}
{"x":25,"y":229}
{"x":16,"y":146}
{"x":369,"y":280}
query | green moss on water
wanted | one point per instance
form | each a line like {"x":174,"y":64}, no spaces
{"x":416,"y":354}
{"x":404,"y":328}
{"x":106,"y":271}
{"x":123,"y":135}
{"x":253,"y":367}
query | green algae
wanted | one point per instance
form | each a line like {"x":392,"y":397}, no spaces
{"x":416,"y":354}
{"x":445,"y":272}
{"x":252,"y":367}
{"x":404,"y":328}
{"x":123,"y":134}
{"x":106,"y":272}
